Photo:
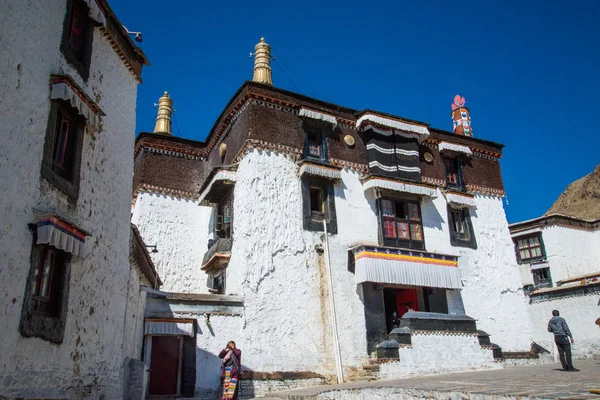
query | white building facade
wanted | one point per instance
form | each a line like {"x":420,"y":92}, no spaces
{"x":415,"y":227}
{"x":69,"y":83}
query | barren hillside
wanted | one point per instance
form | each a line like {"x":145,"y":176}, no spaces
{"x":581,"y":199}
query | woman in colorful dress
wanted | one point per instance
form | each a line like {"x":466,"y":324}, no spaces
{"x":231,"y":368}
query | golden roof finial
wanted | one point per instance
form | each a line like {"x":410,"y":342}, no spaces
{"x":163,"y":119}
{"x":262,"y":63}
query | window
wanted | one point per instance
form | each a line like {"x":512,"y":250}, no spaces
{"x":461,"y":229}
{"x":46,"y":294}
{"x":529,"y":249}
{"x":318,"y":200}
{"x":217,"y":284}
{"x":401,"y":223}
{"x":454,"y":178}
{"x":224,"y":217}
{"x":78,"y":32}
{"x":315,"y":145}
{"x":62,"y":151}
{"x":542,"y":278}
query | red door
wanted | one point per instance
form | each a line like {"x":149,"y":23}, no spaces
{"x":164,"y":365}
{"x":406,"y":298}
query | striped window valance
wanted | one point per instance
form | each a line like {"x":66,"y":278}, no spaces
{"x":320,"y":170}
{"x":63,"y":89}
{"x":446,"y":146}
{"x":169,"y":328}
{"x":402,"y":187}
{"x":399,"y":127}
{"x":461,"y":200}
{"x":55,"y":232}
{"x":217,"y":187}
{"x":96,"y":12}
{"x":308,"y":113}
{"x":406,"y":267}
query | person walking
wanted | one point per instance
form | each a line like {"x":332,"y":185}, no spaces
{"x":558,"y":326}
{"x":231,"y":369}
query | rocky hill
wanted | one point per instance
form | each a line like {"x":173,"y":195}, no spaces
{"x":581,"y":199}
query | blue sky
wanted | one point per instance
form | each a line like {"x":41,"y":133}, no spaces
{"x":528,"y":70}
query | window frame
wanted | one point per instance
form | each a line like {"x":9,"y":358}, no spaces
{"x":224,"y":210}
{"x":456,"y":239}
{"x":221,"y":274}
{"x":409,"y":243}
{"x":48,"y":324}
{"x":459,"y":185}
{"x":530,"y":260}
{"x":80,"y":59}
{"x":318,"y":129}
{"x":328,"y":202}
{"x":540,"y":282}
{"x":67,"y":183}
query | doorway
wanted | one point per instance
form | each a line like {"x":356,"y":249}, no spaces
{"x":164,"y":365}
{"x":399,"y":301}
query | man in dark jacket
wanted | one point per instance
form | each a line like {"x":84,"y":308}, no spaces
{"x":562,"y":334}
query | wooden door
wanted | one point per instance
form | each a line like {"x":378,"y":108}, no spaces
{"x":164,"y":365}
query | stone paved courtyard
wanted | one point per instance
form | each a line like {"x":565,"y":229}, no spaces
{"x":543,"y":381}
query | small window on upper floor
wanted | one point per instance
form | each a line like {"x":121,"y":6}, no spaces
{"x":46,"y":293}
{"x":78,"y":32}
{"x":542,"y":277}
{"x":315,"y":145}
{"x":461,"y":228}
{"x":318,"y":200}
{"x":454,"y":176}
{"x":401,"y":223}
{"x":530,"y":248}
{"x":224,"y":217}
{"x":63,"y":147}
{"x":217,"y":281}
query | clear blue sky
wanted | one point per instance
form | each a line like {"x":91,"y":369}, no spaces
{"x":530,"y":70}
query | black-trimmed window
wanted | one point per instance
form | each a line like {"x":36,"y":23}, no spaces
{"x":78,"y":32}
{"x":401,"y":223}
{"x":542,"y":277}
{"x":315,"y":143}
{"x":318,"y":198}
{"x":461,"y":228}
{"x":454,"y":175}
{"x":224,"y":217}
{"x":529,"y":248}
{"x":46,"y":293}
{"x":62,"y":150}
{"x":217,"y":282}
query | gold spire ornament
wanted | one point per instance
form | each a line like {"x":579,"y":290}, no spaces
{"x":163,"y":119}
{"x":262,"y":63}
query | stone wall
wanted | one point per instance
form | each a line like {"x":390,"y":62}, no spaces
{"x":88,"y":364}
{"x":180,"y":230}
{"x":580,"y":312}
{"x":439,"y":352}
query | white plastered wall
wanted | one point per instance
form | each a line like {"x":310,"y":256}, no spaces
{"x":88,"y":363}
{"x":180,"y":230}
{"x":571,"y":252}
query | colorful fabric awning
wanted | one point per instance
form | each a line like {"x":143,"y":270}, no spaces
{"x":308,"y":113}
{"x":406,"y":267}
{"x":380,"y":183}
{"x":460,"y":200}
{"x":446,"y":146}
{"x":169,"y":328}
{"x":62,"y":235}
{"x":62,"y":89}
{"x":96,"y":12}
{"x":539,"y":265}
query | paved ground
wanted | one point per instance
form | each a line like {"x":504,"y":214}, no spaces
{"x":543,"y":381}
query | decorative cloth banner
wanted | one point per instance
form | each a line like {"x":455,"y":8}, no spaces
{"x":305,"y":112}
{"x":539,"y":265}
{"x":317,"y":170}
{"x":420,"y":130}
{"x":406,"y":267}
{"x":63,"y":91}
{"x":379,"y":183}
{"x":222,"y":175}
{"x":458,"y":199}
{"x":455,"y":147}
{"x":96,"y":12}
{"x":169,"y":328}
{"x":56,"y":232}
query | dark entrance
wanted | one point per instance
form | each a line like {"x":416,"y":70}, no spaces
{"x":398,"y":300}
{"x":164,"y":365}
